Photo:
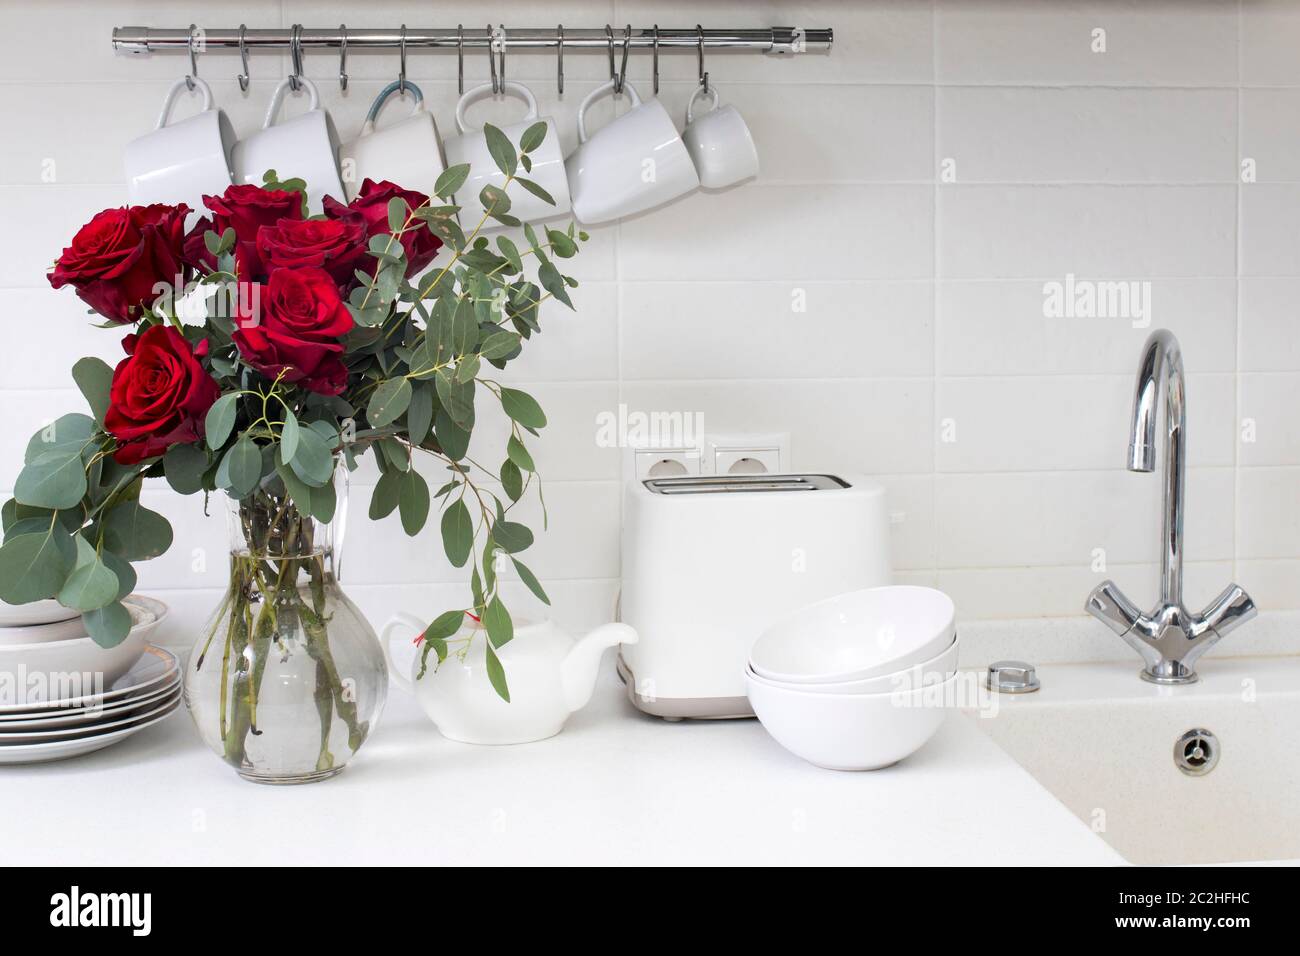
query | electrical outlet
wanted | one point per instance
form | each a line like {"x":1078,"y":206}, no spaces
{"x":645,"y":463}
{"x":752,"y":454}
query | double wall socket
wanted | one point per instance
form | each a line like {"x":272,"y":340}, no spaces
{"x":721,"y":454}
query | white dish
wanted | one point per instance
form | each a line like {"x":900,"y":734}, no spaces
{"x":69,"y":630}
{"x":938,"y":667}
{"x":851,"y":731}
{"x":155,"y":668}
{"x":854,"y":636}
{"x":38,"y":612}
{"x":62,"y":749}
{"x":36,"y":677}
{"x":10,"y":738}
{"x":93,"y":714}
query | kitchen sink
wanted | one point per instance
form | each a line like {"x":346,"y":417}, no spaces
{"x":1206,"y":773}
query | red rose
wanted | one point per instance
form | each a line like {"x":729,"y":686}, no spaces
{"x":336,"y":245}
{"x":246,"y":209}
{"x":159,"y":396}
{"x":292,"y":325}
{"x":372,"y":204}
{"x":117,"y":260}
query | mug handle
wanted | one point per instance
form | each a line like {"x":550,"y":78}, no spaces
{"x":369,"y":126}
{"x":712,"y":94}
{"x":595,"y":95}
{"x":400,"y":619}
{"x":170,"y":99}
{"x":277,"y":98}
{"x":478,"y":92}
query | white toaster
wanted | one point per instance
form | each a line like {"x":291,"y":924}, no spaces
{"x":709,"y":562}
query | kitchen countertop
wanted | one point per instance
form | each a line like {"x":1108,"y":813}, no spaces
{"x":614,"y":787}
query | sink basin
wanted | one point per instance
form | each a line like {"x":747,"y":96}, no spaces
{"x":1103,"y":743}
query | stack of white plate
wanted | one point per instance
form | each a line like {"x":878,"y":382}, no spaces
{"x":62,"y":695}
{"x":859,"y":681}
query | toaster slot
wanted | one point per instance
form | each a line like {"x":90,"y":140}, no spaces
{"x":732,"y":484}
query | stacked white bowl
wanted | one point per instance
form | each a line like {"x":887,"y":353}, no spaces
{"x":858,"y":681}
{"x":61,"y":694}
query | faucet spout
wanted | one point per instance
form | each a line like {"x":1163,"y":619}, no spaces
{"x":1169,"y":639}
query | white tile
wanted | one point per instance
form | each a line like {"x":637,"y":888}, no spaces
{"x":1270,"y":221}
{"x":1001,"y":327}
{"x":1270,"y":316}
{"x":876,"y":426}
{"x":1066,"y":422}
{"x":188,"y":610}
{"x":199,"y":556}
{"x":1270,"y":427}
{"x":996,"y":593}
{"x":1268,"y":32}
{"x":692,"y":330}
{"x":911,"y":515}
{"x":1113,"y":231}
{"x":40,"y":222}
{"x":1005,"y":134}
{"x":1163,"y":43}
{"x":1268,"y":135}
{"x":48,"y":330}
{"x":1272,"y":585}
{"x":1268,"y":513}
{"x":581,"y":541}
{"x":784,"y":232}
{"x":810,"y":133}
{"x":573,"y":346}
{"x":1060,"y":518}
{"x":26,"y":413}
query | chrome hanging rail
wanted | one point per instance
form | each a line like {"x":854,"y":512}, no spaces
{"x":773,"y":40}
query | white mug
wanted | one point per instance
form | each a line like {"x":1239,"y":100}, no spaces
{"x":408,"y":153}
{"x":635,"y":163}
{"x":471,"y":147}
{"x":184,"y":161}
{"x":719,"y":143}
{"x":303,"y":147}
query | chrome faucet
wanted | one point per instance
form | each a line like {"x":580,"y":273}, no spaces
{"x":1170,"y":639}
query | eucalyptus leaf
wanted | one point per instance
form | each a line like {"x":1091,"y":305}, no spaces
{"x":518,"y":454}
{"x":511,"y":536}
{"x":457,"y":399}
{"x":419,"y":414}
{"x":501,"y":149}
{"x":452,"y":439}
{"x":522,"y":408}
{"x":530,"y":580}
{"x":55,"y":479}
{"x":134,"y":533}
{"x":451,"y":179}
{"x":413,"y":501}
{"x":388,"y":401}
{"x":67,"y":433}
{"x":108,"y":625}
{"x":499,"y":345}
{"x":314,"y":462}
{"x":511,"y":480}
{"x":94,"y":377}
{"x":496,"y":619}
{"x":457,"y":533}
{"x":34,"y":566}
{"x":91,"y":585}
{"x":184,"y":466}
{"x":289,"y":436}
{"x":242,"y":465}
{"x":497,"y":675}
{"x":536,"y":189}
{"x":220,"y":420}
{"x":385,"y":496}
{"x":534,"y":136}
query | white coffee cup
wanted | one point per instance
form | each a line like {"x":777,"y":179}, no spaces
{"x":471,"y":147}
{"x":635,"y":163}
{"x":304,"y":147}
{"x":408,"y":152}
{"x":719,"y":143}
{"x":183,"y":161}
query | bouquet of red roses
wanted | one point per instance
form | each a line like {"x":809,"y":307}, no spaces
{"x":264,"y":347}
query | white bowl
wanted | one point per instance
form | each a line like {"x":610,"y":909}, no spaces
{"x":850,"y":731}
{"x":37,"y":612}
{"x":868,"y":633}
{"x":44,"y":672}
{"x":68,"y":630}
{"x":937,"y":668}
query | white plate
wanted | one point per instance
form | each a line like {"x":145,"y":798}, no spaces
{"x":92,"y":715}
{"x":111,"y":722}
{"x":69,"y":630}
{"x":31,"y":673}
{"x":154,"y":667}
{"x":62,"y":749}
{"x":38,"y":612}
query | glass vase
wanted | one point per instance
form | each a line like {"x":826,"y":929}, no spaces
{"x":287,"y":679}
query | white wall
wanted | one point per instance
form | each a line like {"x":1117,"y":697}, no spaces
{"x":925,"y":297}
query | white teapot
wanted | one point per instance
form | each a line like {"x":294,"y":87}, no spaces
{"x":548,"y":673}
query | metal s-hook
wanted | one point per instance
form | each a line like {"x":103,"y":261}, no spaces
{"x":492,"y":60}
{"x":295,"y":58}
{"x":609,"y":40}
{"x":460,"y":58}
{"x":704,"y":77}
{"x":622,"y":68}
{"x":499,"y":45}
{"x":655,"y":56}
{"x":559,"y":57}
{"x":243,"y":57}
{"x":194,"y":59}
{"x":343,"y":56}
{"x":401,"y":63}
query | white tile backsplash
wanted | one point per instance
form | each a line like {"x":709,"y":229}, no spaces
{"x":864,"y":294}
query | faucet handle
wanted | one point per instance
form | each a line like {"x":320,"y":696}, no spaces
{"x":1108,"y":604}
{"x":1229,"y":611}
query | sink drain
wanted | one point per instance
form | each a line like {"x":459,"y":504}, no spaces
{"x":1196,"y":752}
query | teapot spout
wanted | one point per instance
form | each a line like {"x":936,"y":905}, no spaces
{"x":583,"y":660}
